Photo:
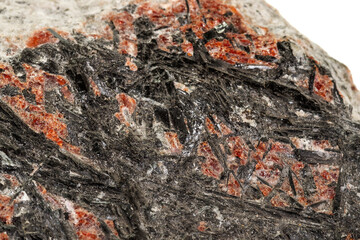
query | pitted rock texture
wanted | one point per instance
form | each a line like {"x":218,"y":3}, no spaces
{"x":176,"y":120}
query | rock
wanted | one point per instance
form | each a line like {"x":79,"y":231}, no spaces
{"x":173,"y":120}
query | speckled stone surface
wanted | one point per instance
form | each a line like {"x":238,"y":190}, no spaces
{"x":172,"y":120}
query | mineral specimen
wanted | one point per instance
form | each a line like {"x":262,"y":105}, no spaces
{"x":181,"y":119}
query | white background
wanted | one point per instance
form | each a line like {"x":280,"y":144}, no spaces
{"x":332,"y":24}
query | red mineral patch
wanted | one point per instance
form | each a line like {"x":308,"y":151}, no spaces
{"x":182,"y":87}
{"x":214,"y":12}
{"x":35,"y":115}
{"x":67,"y":94}
{"x":54,"y":201}
{"x":173,"y":140}
{"x":322,"y":145}
{"x":349,"y":237}
{"x":233,"y":186}
{"x":85,"y":223}
{"x":202,"y":226}
{"x":7,"y":203}
{"x":38,"y":119}
{"x":162,"y":16}
{"x":111,"y":225}
{"x":211,"y":167}
{"x":233,"y":163}
{"x":303,"y":83}
{"x":300,"y":196}
{"x":259,"y":152}
{"x":269,"y":174}
{"x":127,"y":107}
{"x":225,"y":130}
{"x":95,"y":88}
{"x":188,"y":48}
{"x":268,"y":169}
{"x":129,"y":63}
{"x":313,"y":145}
{"x":14,"y":182}
{"x":214,"y":127}
{"x":278,"y":154}
{"x":278,"y":201}
{"x":325,"y":176}
{"x":286,"y":187}
{"x":164,"y":41}
{"x":224,"y":50}
{"x":6,"y":209}
{"x":265,"y":189}
{"x":211,"y":127}
{"x":43,"y":36}
{"x":4,"y":236}
{"x":281,"y":148}
{"x":297,"y":167}
{"x":238,"y":148}
{"x":128,"y":47}
{"x":72,"y":149}
{"x":204,"y":16}
{"x":323,"y":86}
{"x":265,"y":45}
{"x":123,"y":22}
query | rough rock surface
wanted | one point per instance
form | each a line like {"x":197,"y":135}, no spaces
{"x":197,"y":119}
